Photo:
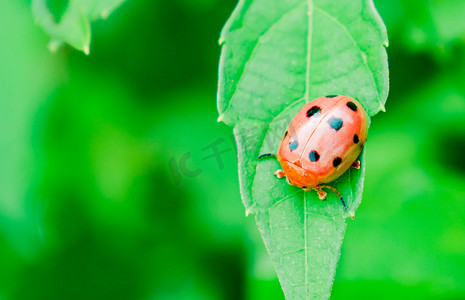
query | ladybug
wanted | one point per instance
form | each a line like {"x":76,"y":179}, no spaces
{"x":323,"y":140}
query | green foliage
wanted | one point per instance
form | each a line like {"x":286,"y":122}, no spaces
{"x":275,"y":58}
{"x":426,"y":25}
{"x":89,"y":208}
{"x":25,"y":79}
{"x":412,"y":235}
{"x":68,"y":21}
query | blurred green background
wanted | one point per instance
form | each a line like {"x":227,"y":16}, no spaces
{"x":110,"y":187}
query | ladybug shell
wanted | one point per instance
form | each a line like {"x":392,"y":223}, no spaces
{"x":323,"y":140}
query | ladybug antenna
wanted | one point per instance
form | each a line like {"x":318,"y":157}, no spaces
{"x":337,"y":193}
{"x":266,"y":155}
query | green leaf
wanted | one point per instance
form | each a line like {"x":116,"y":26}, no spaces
{"x":69,"y":21}
{"x":27,"y":77}
{"x":276,"y":57}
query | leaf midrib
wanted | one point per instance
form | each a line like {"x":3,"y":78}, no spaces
{"x":307,"y":97}
{"x":236,"y":119}
{"x":347,"y":32}
{"x":310,"y":13}
{"x":309,"y":48}
{"x":305,"y":244}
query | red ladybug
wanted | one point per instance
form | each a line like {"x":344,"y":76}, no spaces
{"x":322,"y":141}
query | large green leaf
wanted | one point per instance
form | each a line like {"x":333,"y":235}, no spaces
{"x":26,"y":77}
{"x":68,"y":21}
{"x":277,"y":56}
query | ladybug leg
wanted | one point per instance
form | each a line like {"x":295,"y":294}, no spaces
{"x":267,"y":155}
{"x":336,"y":192}
{"x":356,"y":165}
{"x":321,"y":194}
{"x":279,"y":174}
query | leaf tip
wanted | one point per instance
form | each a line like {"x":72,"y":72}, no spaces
{"x":248,"y":212}
{"x":86,"y":49}
{"x":104,"y":15}
{"x":53,"y":46}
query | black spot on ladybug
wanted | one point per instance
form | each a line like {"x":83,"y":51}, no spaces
{"x":331,"y":96}
{"x":337,"y":161}
{"x":356,"y":140}
{"x":312,"y":111}
{"x":314,"y":156}
{"x":293,"y":145}
{"x":352,"y":105}
{"x":335,"y":123}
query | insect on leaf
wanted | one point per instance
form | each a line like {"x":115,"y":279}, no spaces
{"x":276,"y":57}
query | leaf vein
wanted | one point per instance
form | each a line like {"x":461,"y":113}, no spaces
{"x":346,"y":30}
{"x":254,"y":50}
{"x":305,"y":246}
{"x":309,"y":47}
